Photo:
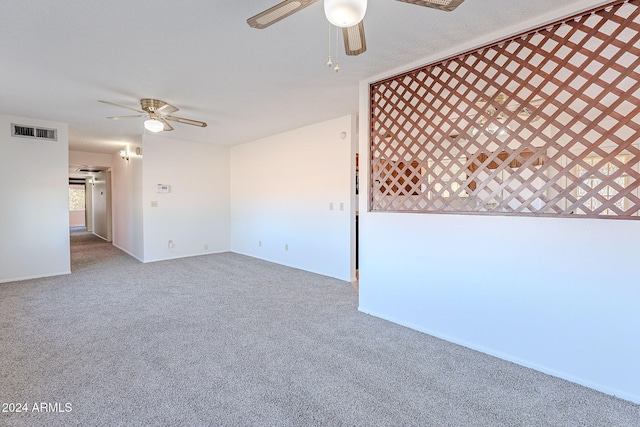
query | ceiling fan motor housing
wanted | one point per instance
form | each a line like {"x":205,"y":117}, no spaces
{"x":151,"y":105}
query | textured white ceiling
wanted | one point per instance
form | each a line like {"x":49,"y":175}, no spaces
{"x":59,"y":58}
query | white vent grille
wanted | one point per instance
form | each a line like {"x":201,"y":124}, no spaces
{"x":23,"y":131}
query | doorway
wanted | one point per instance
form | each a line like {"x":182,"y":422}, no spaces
{"x":90,"y":202}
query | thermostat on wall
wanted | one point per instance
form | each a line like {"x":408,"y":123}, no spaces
{"x":162,"y":188}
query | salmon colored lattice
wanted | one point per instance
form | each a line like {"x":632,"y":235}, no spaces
{"x":546,"y":124}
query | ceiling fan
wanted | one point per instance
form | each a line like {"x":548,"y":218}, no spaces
{"x":346,"y":14}
{"x":486,"y":109}
{"x":158,"y":113}
{"x":501,"y":99}
{"x":501,"y":115}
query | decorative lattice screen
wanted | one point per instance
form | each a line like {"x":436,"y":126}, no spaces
{"x":547,"y":123}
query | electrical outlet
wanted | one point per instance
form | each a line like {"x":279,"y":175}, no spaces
{"x":331,"y":206}
{"x":154,"y":203}
{"x":286,"y":246}
{"x":206,"y":247}
{"x":260,"y":243}
{"x":170,"y":244}
{"x":341,"y":206}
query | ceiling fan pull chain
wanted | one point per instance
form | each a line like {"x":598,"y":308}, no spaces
{"x":329,"y":62}
{"x":337,"y":67}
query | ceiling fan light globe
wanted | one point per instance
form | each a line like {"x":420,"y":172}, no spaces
{"x":153,"y":125}
{"x":345,"y":13}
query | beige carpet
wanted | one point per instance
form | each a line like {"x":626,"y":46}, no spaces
{"x":230,"y":340}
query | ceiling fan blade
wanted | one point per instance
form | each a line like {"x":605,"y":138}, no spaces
{"x":354,"y":41}
{"x":167,"y":126}
{"x":277,"y":12}
{"x":122,"y":106}
{"x":166,"y":109}
{"x":446,"y":5}
{"x":126,"y":117}
{"x":185,"y":121}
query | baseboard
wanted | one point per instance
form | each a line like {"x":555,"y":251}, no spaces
{"x":297,"y":267}
{"x":20,"y":279}
{"x":103,"y":238}
{"x":184,"y":256}
{"x":126,"y":252}
{"x":527,"y":364}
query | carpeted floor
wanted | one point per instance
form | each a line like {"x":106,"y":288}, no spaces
{"x":230,"y":340}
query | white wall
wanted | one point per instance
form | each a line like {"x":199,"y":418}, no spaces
{"x":195,"y":213}
{"x":126,"y":191}
{"x":77,"y":218}
{"x":83,"y":158}
{"x":34,"y":218}
{"x":281,"y":190}
{"x":88,"y":202}
{"x":558,"y":295}
{"x":101,"y":202}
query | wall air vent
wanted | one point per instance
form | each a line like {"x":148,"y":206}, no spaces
{"x":23,"y":131}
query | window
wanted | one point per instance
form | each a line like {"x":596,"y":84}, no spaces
{"x":76,"y":198}
{"x":590,"y":181}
